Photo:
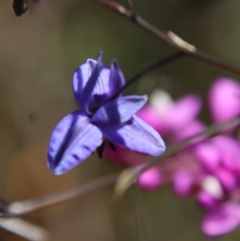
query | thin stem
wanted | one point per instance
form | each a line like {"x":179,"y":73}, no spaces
{"x":130,"y":175}
{"x":150,"y":68}
{"x":23,"y":228}
{"x":168,"y":38}
{"x":31,"y":205}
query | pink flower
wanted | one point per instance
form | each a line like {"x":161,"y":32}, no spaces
{"x":224,"y":99}
{"x":222,"y":220}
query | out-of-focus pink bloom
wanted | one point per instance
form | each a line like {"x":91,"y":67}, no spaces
{"x":183,"y":182}
{"x":172,"y":116}
{"x":151,"y":179}
{"x":222,"y":220}
{"x":224,"y":99}
{"x":123,"y":156}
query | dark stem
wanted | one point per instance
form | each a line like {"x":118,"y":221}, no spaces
{"x":150,"y":68}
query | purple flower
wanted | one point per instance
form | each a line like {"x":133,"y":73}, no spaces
{"x":81,"y":132}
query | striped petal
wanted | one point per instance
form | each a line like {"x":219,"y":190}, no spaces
{"x":72,"y":141}
{"x":136,"y":135}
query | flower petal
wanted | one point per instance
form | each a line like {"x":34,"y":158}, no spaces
{"x":206,"y":200}
{"x":119,"y":110}
{"x":183,"y":111}
{"x":72,"y":141}
{"x":208,"y":156}
{"x":224,"y":99}
{"x":93,"y":83}
{"x":116,"y":78}
{"x":222,"y":220}
{"x":136,"y":135}
{"x":85,"y":79}
{"x":151,"y":179}
{"x":183,"y":181}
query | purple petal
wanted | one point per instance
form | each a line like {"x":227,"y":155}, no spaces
{"x":136,"y":135}
{"x":119,"y":110}
{"x":116,"y":79}
{"x":94,"y":84}
{"x":224,"y":99}
{"x":222,"y":220}
{"x":85,"y":80}
{"x":72,"y":141}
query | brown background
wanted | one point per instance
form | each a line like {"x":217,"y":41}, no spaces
{"x":38,"y":54}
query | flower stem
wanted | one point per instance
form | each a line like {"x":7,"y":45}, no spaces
{"x":150,"y":68}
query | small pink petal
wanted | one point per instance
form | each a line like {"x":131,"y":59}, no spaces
{"x":224,"y":99}
{"x":222,"y":220}
{"x":151,"y":116}
{"x":188,"y":130}
{"x":116,"y":156}
{"x":208,"y":155}
{"x":226,"y":178}
{"x":183,"y":181}
{"x":124,"y":156}
{"x":206,"y":200}
{"x":183,"y":111}
{"x":151,"y":179}
{"x":226,"y":144}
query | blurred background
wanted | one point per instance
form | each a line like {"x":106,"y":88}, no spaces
{"x":39,"y":52}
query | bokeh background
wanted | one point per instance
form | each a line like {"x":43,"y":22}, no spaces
{"x":38,"y":54}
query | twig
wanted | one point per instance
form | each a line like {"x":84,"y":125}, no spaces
{"x":21,"y":227}
{"x":169,"y":38}
{"x":24,"y":229}
{"x":150,"y":68}
{"x":130,"y":175}
{"x":31,"y":205}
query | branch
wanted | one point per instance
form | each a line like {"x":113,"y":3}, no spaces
{"x":169,"y":38}
{"x":32,"y":205}
{"x":23,"y":228}
{"x":158,"y":64}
